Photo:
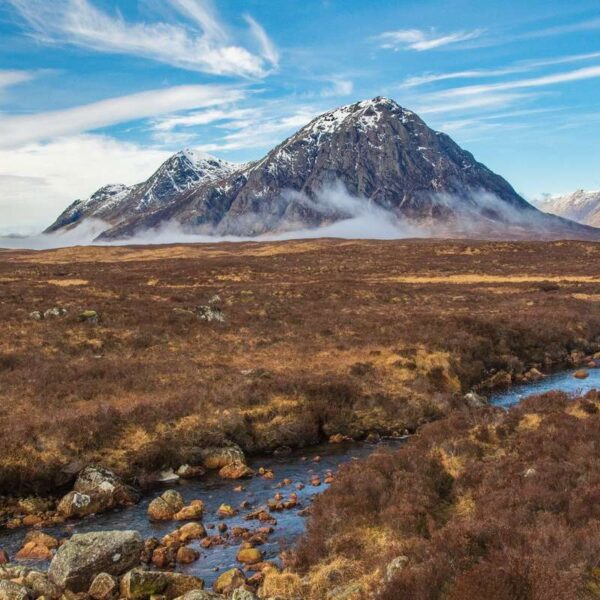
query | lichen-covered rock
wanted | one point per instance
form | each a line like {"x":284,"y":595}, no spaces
{"x":139,"y":584}
{"x":229,"y":581}
{"x":104,"y":587}
{"x":165,"y":506}
{"x":191,"y":512}
{"x":85,"y":555}
{"x":12,"y":591}
{"x":39,"y":585}
{"x":96,"y":489}
{"x":190,"y":471}
{"x":219,"y":457}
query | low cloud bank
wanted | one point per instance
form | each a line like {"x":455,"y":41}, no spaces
{"x":341,"y":215}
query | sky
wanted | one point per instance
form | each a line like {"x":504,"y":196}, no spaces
{"x":102,"y":91}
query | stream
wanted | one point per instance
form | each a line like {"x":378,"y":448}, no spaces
{"x":299,"y":466}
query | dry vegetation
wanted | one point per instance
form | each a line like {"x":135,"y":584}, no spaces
{"x":482,"y":504}
{"x":320,"y":337}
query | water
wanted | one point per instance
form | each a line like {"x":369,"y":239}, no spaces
{"x":563,"y":381}
{"x":298,"y":467}
{"x":213,"y":491}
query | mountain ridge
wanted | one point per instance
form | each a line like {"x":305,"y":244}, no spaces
{"x":373,"y":152}
{"x":581,"y":206}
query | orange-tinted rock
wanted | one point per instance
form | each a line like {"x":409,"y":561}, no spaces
{"x":4,"y":559}
{"x":191,"y":512}
{"x":581,"y":374}
{"x":229,"y":581}
{"x":226,"y":510}
{"x":236,"y":471}
{"x":249,"y":556}
{"x":186,"y":555}
{"x":33,"y":551}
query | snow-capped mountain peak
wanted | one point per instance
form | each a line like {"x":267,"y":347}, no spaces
{"x":581,"y":206}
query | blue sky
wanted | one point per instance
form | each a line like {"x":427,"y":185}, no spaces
{"x":99,"y":91}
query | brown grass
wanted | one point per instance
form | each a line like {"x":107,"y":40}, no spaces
{"x":520,"y":518}
{"x":320,"y":337}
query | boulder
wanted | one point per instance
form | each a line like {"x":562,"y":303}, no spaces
{"x":39,"y":585}
{"x":474,"y":400}
{"x":139,"y":584}
{"x":186,"y":555}
{"x":236,"y":470}
{"x":581,"y":374}
{"x":104,"y":587}
{"x":249,"y":556}
{"x":89,"y":316}
{"x":190,"y":471}
{"x":55,"y":311}
{"x":4,"y":557}
{"x":229,"y":581}
{"x":217,"y":458}
{"x":165,"y":506}
{"x":12,"y":591}
{"x":85,"y":555}
{"x":96,"y":489}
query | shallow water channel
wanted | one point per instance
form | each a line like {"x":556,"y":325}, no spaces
{"x":299,"y":466}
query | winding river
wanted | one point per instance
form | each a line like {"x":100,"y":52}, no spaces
{"x":298,"y":467}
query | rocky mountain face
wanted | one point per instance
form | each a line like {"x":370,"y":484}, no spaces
{"x":117,"y":203}
{"x":370,"y":154}
{"x":580,"y":206}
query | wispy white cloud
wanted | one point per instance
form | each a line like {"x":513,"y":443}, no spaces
{"x":18,"y":130}
{"x":522,"y":66}
{"x":9,"y":78}
{"x":200,"y":44}
{"x":496,"y":95}
{"x":338,"y":87}
{"x":420,"y":40}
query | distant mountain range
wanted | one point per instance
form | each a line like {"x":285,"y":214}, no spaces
{"x":372,"y":154}
{"x":580,"y":206}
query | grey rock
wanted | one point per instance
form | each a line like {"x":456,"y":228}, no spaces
{"x":55,"y":312}
{"x":85,"y":555}
{"x":242,"y":594}
{"x":96,"y":489}
{"x":12,"y":591}
{"x":474,"y":400}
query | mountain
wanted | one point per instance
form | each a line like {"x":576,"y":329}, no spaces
{"x":116,"y":203}
{"x":372,"y":155}
{"x":580,"y":206}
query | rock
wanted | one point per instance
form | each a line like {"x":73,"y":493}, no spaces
{"x":581,"y":374}
{"x":33,"y":505}
{"x":12,"y":591}
{"x":89,"y":316}
{"x":104,"y":587}
{"x":373,"y":438}
{"x":31,"y":520}
{"x":229,"y":581}
{"x":217,"y":458}
{"x":39,"y":585}
{"x":242,"y":594}
{"x":190,"y":531}
{"x":42,"y":539}
{"x":474,"y":400}
{"x":499,"y":379}
{"x":200,"y":595}
{"x":86,"y":554}
{"x":165,"y":506}
{"x":395,"y":565}
{"x":338,"y":438}
{"x":236,"y":470}
{"x":191,"y":512}
{"x":33,"y":551}
{"x":4,"y":559}
{"x":96,"y":490}
{"x":55,"y":311}
{"x":186,"y":555}
{"x":167,"y":476}
{"x":205,"y":312}
{"x":13,"y":571}
{"x":36,"y":315}
{"x":139,"y":584}
{"x":190,"y":471}
{"x":534,"y":375}
{"x":249,"y":556}
{"x":225,"y":511}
